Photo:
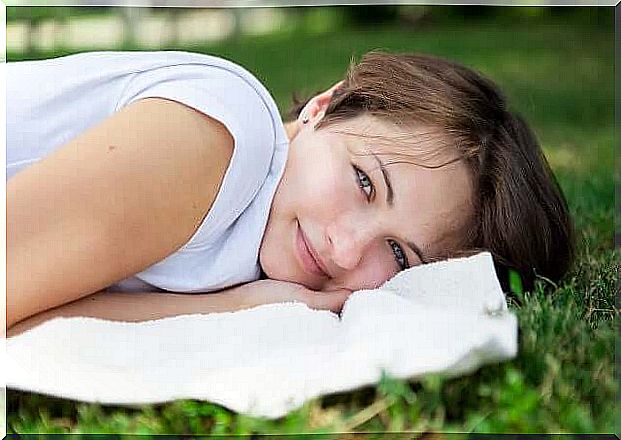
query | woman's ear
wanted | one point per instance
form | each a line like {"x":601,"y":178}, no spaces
{"x":316,"y":107}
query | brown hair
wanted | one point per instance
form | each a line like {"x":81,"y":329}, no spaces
{"x":520,"y":214}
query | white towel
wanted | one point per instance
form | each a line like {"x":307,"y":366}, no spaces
{"x":447,"y":317}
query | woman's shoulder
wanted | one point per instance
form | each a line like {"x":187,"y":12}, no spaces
{"x":141,"y":61}
{"x":209,"y":83}
{"x":148,"y":67}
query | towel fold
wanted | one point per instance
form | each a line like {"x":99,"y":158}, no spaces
{"x":447,"y":317}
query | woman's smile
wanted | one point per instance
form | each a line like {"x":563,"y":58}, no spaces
{"x":307,"y":255}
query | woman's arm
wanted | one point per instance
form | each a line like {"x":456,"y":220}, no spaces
{"x":144,"y":306}
{"x":110,"y":203}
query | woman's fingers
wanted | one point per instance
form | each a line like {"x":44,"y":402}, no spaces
{"x":329,"y":300}
{"x":273,"y":291}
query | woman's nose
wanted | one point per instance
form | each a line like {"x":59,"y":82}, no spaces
{"x":348,"y":240}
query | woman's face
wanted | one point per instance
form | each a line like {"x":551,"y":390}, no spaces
{"x":342,"y":217}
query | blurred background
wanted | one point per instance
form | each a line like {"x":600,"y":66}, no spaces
{"x":49,"y":28}
{"x":556,"y":66}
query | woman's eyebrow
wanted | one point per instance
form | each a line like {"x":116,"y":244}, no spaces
{"x":390,"y":202}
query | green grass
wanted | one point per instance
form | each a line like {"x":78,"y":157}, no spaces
{"x":560,"y":76}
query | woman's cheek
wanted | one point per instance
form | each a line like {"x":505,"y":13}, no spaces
{"x":330,"y":189}
{"x":371,"y":274}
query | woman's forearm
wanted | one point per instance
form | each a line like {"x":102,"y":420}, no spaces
{"x":140,"y":306}
{"x":146,"y":306}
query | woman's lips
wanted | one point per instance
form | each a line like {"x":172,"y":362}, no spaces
{"x":305,"y":254}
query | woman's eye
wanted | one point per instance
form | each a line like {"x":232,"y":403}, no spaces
{"x":364,"y":182}
{"x":400,"y":257}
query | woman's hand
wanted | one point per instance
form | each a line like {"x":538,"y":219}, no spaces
{"x":273,"y":291}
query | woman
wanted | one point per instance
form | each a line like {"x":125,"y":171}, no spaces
{"x":171,"y":171}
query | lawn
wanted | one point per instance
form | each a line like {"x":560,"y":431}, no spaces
{"x":559,"y":74}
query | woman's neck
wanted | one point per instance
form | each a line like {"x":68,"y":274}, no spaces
{"x":292,"y":129}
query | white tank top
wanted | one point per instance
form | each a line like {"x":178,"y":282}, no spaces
{"x":50,"y":102}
